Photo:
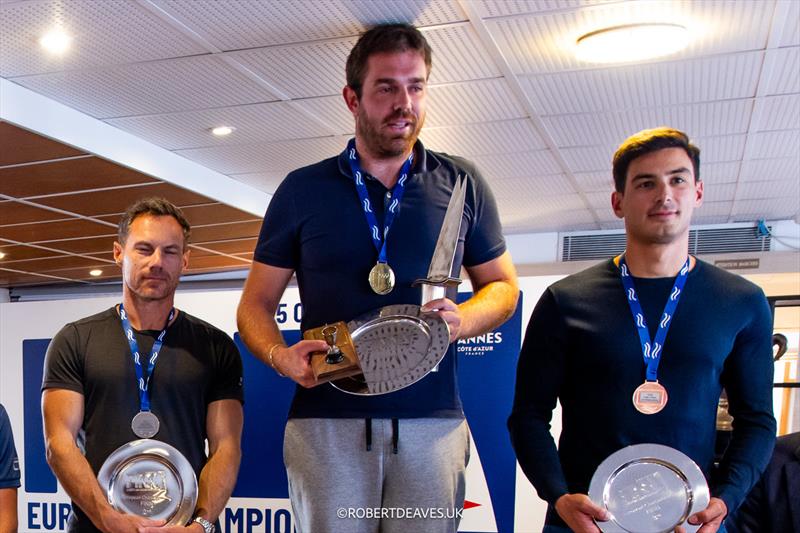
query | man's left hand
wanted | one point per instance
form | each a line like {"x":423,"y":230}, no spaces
{"x":449,"y":311}
{"x":711,"y":517}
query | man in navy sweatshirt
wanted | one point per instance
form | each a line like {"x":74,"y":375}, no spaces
{"x":585,"y":347}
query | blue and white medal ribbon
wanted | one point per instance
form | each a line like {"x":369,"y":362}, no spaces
{"x":381,"y":277}
{"x":145,"y":424}
{"x":651,"y":396}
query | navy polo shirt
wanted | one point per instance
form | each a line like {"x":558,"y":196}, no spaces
{"x":315,"y":226}
{"x":9,"y":465}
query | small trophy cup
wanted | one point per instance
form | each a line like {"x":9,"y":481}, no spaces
{"x":340,"y":360}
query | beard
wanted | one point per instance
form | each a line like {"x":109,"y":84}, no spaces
{"x":382,"y":144}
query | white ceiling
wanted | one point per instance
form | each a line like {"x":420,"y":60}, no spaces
{"x":506,"y":90}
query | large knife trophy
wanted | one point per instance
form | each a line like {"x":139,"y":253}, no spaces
{"x":392,"y":347}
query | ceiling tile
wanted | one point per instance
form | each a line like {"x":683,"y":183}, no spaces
{"x":546,"y":42}
{"x":263,"y":181}
{"x":773,"y":144}
{"x":149,"y":88}
{"x":595,"y":181}
{"x":778,"y":190}
{"x":716,"y":173}
{"x":254,"y":123}
{"x":51,"y":231}
{"x":14,"y":252}
{"x":719,"y":192}
{"x":236,"y":25}
{"x":530,"y":189}
{"x":787,"y":168}
{"x":783,"y":66}
{"x":18,"y":213}
{"x":471,"y":140}
{"x":773,"y":208}
{"x":472,"y":102}
{"x":517,"y":165}
{"x":697,"y":120}
{"x":705,"y":79}
{"x":505,"y":8}
{"x":221,"y":232}
{"x":90,"y":245}
{"x":266,"y":157}
{"x":66,"y":176}
{"x":103,"y":33}
{"x":791,"y":27}
{"x":777,"y":113}
{"x":103,"y":202}
{"x":29,"y":146}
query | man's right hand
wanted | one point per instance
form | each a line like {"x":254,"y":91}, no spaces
{"x":294,"y":361}
{"x":578,"y":511}
{"x":116,"y":522}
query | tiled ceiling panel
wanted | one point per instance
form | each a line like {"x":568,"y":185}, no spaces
{"x":150,"y":87}
{"x":771,"y":169}
{"x":470,"y":140}
{"x":783,"y":68}
{"x":472,"y":102}
{"x":505,"y":8}
{"x":58,"y":219}
{"x":104,"y":33}
{"x":516,"y":188}
{"x":257,"y":24}
{"x":283,"y":156}
{"x":657,"y":84}
{"x":778,"y":112}
{"x":702,"y":120}
{"x":254,"y":123}
{"x":67,"y":176}
{"x":773,"y":144}
{"x":517,"y":165}
{"x":30,"y":147}
{"x":546,"y":42}
{"x":265,"y":181}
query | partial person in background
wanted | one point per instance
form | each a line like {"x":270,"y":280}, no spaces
{"x":409,"y":448}
{"x":773,"y":506}
{"x":96,"y":385}
{"x":9,"y":475}
{"x":635,"y":356}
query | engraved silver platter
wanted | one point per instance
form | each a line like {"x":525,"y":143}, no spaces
{"x":648,"y":488}
{"x":152,"y":479}
{"x":397,"y":345}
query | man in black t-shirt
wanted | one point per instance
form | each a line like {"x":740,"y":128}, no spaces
{"x":9,"y":475}
{"x":93,"y":385}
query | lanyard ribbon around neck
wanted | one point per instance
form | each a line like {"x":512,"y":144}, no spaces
{"x":651,"y":350}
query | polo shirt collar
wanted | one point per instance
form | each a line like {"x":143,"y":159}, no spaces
{"x":424,"y":161}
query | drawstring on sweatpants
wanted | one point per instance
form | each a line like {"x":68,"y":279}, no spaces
{"x":395,"y":433}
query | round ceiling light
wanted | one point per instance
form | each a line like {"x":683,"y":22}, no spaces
{"x":55,"y":41}
{"x":96,"y":272}
{"x":222,"y":131}
{"x":631,"y":42}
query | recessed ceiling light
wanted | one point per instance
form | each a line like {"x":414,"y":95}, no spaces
{"x":222,"y":131}
{"x":2,"y":255}
{"x":96,"y":272}
{"x":55,"y":41}
{"x":632,"y":42}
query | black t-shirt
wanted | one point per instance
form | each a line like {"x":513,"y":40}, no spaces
{"x":198,"y":364}
{"x":315,"y":225}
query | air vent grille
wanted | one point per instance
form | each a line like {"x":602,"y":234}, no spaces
{"x":701,"y":241}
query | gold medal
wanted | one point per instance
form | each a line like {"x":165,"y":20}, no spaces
{"x":381,"y":278}
{"x":650,"y":397}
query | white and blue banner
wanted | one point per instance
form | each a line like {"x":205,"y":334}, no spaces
{"x":497,"y":499}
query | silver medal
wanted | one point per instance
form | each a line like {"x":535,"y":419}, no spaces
{"x":145,"y":424}
{"x":381,"y":278}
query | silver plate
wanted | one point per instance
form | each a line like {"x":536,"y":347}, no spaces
{"x":648,"y":488}
{"x":152,"y":479}
{"x":397,"y":345}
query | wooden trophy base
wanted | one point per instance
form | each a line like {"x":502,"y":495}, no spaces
{"x":335,"y":335}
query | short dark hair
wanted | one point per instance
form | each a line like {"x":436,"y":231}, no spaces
{"x":382,"y":39}
{"x":647,"y":141}
{"x":156,"y":207}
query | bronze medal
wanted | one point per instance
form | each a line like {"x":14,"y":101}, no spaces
{"x":650,"y":397}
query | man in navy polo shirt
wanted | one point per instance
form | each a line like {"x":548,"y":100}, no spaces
{"x":406,"y":449}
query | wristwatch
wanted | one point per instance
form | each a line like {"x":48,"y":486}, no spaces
{"x":208,"y":527}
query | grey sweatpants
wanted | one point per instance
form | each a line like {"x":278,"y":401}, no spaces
{"x":337,"y":485}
